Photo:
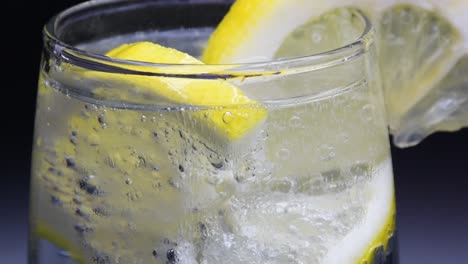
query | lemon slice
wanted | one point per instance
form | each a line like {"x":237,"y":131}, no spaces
{"x":233,"y":114}
{"x":423,"y":51}
{"x":309,"y":225}
{"x":246,"y":35}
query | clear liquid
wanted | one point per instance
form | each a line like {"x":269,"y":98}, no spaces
{"x":120,"y":185}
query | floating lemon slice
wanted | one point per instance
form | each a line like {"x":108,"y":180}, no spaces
{"x":423,"y":51}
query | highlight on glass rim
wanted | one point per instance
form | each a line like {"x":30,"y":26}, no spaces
{"x":248,"y":131}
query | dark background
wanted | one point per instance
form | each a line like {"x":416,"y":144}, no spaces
{"x":431,"y":179}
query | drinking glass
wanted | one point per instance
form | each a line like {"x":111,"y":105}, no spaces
{"x":123,"y":172}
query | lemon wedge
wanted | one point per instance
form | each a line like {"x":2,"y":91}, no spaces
{"x":231,"y":113}
{"x":119,"y":158}
{"x":423,"y":51}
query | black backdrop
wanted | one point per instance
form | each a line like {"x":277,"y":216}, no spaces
{"x":431,"y":179}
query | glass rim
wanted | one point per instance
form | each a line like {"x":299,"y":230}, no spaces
{"x":306,"y":63}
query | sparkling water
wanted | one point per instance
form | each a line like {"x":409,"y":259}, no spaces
{"x":123,"y":183}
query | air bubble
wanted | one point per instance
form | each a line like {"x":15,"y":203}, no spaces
{"x":326,"y":152}
{"x":55,"y":200}
{"x":217,"y":165}
{"x":101,"y":259}
{"x":82,"y":213}
{"x":128,"y":181}
{"x":77,"y":200}
{"x":55,"y":171}
{"x":102,"y":121}
{"x":70,"y":162}
{"x":228,"y":117}
{"x":141,"y":162}
{"x":87,"y":185}
{"x":203,"y":231}
{"x":172,"y":256}
{"x":295,"y":121}
{"x":316,"y":37}
{"x":81,"y":228}
{"x":181,"y":168}
{"x":73,"y":139}
{"x":367,"y":112}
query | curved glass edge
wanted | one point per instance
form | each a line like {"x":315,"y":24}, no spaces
{"x":96,"y":62}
